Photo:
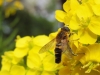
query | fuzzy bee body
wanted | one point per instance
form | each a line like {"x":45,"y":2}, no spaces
{"x":61,"y":45}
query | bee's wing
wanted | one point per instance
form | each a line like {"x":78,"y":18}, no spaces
{"x":67,"y":50}
{"x":50,"y":45}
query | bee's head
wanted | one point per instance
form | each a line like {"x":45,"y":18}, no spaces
{"x":65,"y":29}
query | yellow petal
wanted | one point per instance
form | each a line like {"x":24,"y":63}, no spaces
{"x":74,"y":40}
{"x":60,"y":15}
{"x":36,"y":50}
{"x":41,"y":40}
{"x":19,"y":5}
{"x":6,"y":64}
{"x":92,"y":53}
{"x":34,"y":61}
{"x":23,"y":42}
{"x":21,"y":52}
{"x":66,"y":6}
{"x":94,"y":25}
{"x":74,"y":23}
{"x":86,"y":36}
{"x":5,"y":72}
{"x":8,"y":59}
{"x":17,"y":70}
{"x":33,"y":72}
{"x":97,"y":1}
{"x":74,"y":4}
{"x":49,"y":61}
{"x":84,"y":8}
{"x":68,"y":18}
{"x":95,"y":9}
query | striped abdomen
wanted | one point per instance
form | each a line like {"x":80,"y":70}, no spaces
{"x":58,"y":53}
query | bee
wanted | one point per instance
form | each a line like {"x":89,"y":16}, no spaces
{"x":61,"y":43}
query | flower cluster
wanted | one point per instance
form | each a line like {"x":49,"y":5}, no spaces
{"x":26,"y":59}
{"x":11,"y":6}
{"x":82,"y":16}
{"x":83,"y":19}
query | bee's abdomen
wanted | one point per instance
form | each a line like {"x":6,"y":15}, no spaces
{"x":58,"y":53}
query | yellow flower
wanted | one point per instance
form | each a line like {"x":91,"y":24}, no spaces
{"x":86,"y":62}
{"x":87,"y":24}
{"x":26,"y":59}
{"x":18,"y":5}
{"x":91,"y":58}
{"x":80,"y":71}
{"x":23,"y":45}
{"x":9,"y":11}
{"x":1,"y":2}
{"x":95,"y":4}
{"x":94,"y":25}
{"x":39,"y":63}
{"x":86,"y":36}
{"x":45,"y":65}
{"x":92,"y":53}
{"x":13,"y":7}
{"x":14,"y":70}
{"x":8,"y":59}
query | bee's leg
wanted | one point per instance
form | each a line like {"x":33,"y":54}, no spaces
{"x":72,"y":52}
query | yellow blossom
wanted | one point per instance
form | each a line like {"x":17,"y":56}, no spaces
{"x":23,"y":45}
{"x":80,"y":71}
{"x":9,"y":11}
{"x":13,"y":7}
{"x":14,"y":70}
{"x":41,"y":40}
{"x":86,"y":36}
{"x":8,"y":59}
{"x":18,"y":5}
{"x":91,"y":53}
{"x":1,"y":2}
{"x":88,"y":24}
{"x":38,"y":61}
{"x":34,"y":61}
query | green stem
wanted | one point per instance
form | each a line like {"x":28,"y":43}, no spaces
{"x":1,"y":33}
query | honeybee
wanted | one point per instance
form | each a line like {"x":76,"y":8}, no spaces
{"x":61,"y":43}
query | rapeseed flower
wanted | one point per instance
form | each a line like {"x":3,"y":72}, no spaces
{"x":83,"y":19}
{"x":81,"y":16}
{"x":1,"y":2}
{"x":11,"y":6}
{"x":84,"y":41}
{"x":27,"y":59}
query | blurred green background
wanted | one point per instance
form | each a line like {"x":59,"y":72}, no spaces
{"x":26,"y":18}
